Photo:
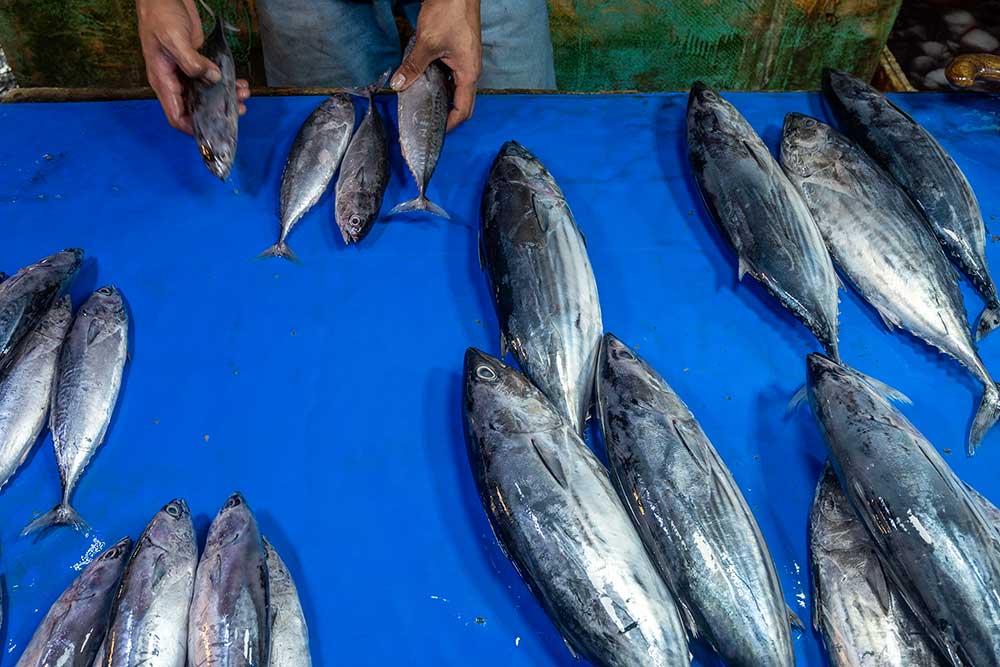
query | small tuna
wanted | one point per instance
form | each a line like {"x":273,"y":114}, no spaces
{"x":213,"y":107}
{"x":289,"y":634}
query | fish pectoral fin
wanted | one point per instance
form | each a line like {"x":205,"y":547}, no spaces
{"x":360,"y":175}
{"x":761,"y":162}
{"x":797,"y":399}
{"x":551,"y":464}
{"x":689,"y":622}
{"x":479,"y":247}
{"x":817,"y":601}
{"x":794,"y":619}
{"x":689,"y":440}
{"x":876,"y":578}
{"x":504,"y":345}
{"x":882,"y":388}
{"x":891,"y":321}
{"x":744,"y":268}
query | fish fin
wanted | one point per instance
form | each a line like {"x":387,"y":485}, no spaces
{"x":93,"y":331}
{"x":419,"y":203}
{"x":891,"y":321}
{"x":582,"y":237}
{"x":504,"y":346}
{"x":744,"y":268}
{"x":794,"y":619}
{"x":987,"y":321}
{"x":688,"y":440}
{"x":280,"y":249}
{"x":204,"y":5}
{"x":479,"y":248}
{"x":986,"y":417}
{"x":551,"y":464}
{"x":817,"y":601}
{"x":883,"y":389}
{"x":797,"y":399}
{"x":371,"y":88}
{"x":572,"y":651}
{"x":876,"y":578}
{"x":62,"y":514}
{"x":688,"y":618}
{"x":752,"y":150}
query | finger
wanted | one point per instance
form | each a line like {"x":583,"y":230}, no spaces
{"x":242,"y":83}
{"x":413,"y":65}
{"x":173,"y":109}
{"x":242,"y":94}
{"x":190,"y":61}
{"x":242,"y":109}
{"x":464,"y":102}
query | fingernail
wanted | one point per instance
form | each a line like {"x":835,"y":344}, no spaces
{"x":397,"y":81}
{"x":213,"y":75}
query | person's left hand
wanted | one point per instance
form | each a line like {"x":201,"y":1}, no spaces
{"x":447,"y":30}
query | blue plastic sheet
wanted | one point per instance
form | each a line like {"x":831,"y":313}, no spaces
{"x":329,"y":392}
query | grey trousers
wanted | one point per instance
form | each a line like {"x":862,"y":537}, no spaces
{"x":351,"y":42}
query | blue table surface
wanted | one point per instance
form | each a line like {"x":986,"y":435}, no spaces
{"x":329,"y":392}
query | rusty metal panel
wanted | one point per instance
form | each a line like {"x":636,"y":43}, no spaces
{"x":741,"y":44}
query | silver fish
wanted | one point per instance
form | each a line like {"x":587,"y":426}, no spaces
{"x":541,"y":280}
{"x":88,"y":378}
{"x":28,"y":295}
{"x":213,"y":107}
{"x":313,"y":160}
{"x":228,"y":625}
{"x":761,"y":214}
{"x":364,"y":174}
{"x":928,"y":175}
{"x":26,"y":388}
{"x":691,"y":514}
{"x":289,"y":634}
{"x":423,"y":117}
{"x":74,"y":626}
{"x":555,"y":514}
{"x":863,"y":620}
{"x":934,"y":542}
{"x":149,"y":618}
{"x":885,"y":247}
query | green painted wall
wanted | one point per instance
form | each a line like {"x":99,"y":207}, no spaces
{"x":609,"y":45}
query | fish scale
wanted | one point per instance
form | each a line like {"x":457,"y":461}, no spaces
{"x":884,"y":246}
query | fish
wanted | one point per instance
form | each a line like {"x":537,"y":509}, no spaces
{"x":932,"y":538}
{"x":926,"y":173}
{"x":761,"y":214}
{"x":74,"y":626}
{"x":229,"y":624}
{"x":863,"y":620}
{"x":149,"y":617}
{"x":289,"y":634}
{"x":213,"y":107}
{"x":364,"y":174}
{"x":423,"y":117}
{"x":26,"y":388}
{"x":29,"y":294}
{"x":691,"y":514}
{"x":556,"y":517}
{"x":84,"y":395}
{"x":313,"y":160}
{"x":541,"y":281}
{"x":882,"y":243}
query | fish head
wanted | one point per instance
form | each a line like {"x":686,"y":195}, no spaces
{"x":624,"y":375}
{"x":703,"y":100}
{"x":356,"y":211}
{"x":172,"y":528}
{"x":105,"y":570}
{"x":234,"y":521}
{"x":217,"y":150}
{"x":843,"y":87}
{"x":499,"y":398}
{"x":514,"y":162}
{"x":804,"y":145}
{"x":56,"y":321}
{"x":65,"y":261}
{"x":106,"y":304}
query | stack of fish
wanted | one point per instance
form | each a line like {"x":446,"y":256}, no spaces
{"x":160,"y":605}
{"x":889,"y":212}
{"x":904,"y":555}
{"x":52,"y":363}
{"x":327,"y":141}
{"x":601,"y":552}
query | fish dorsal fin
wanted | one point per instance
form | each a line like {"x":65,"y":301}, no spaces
{"x":551,"y":463}
{"x":875,"y":576}
{"x":744,"y":268}
{"x":694,"y":448}
{"x":797,"y":399}
{"x":794,"y":619}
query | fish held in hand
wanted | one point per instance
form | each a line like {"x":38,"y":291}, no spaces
{"x":214,"y":108}
{"x":761,"y":214}
{"x":88,"y":378}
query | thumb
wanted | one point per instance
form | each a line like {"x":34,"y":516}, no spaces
{"x":413,"y":65}
{"x":194,"y":64}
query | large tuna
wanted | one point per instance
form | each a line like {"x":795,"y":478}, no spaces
{"x":541,"y":280}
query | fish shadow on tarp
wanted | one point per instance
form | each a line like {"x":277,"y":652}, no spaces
{"x":490,"y":567}
{"x":672,"y":151}
{"x":271,"y":529}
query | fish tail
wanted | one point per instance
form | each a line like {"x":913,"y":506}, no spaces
{"x":280,"y":249}
{"x":371,"y":88}
{"x":420,"y":203}
{"x":987,"y":321}
{"x":986,"y":416}
{"x":62,"y":514}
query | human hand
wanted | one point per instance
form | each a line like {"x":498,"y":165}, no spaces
{"x":170,"y":33}
{"x":448,"y":30}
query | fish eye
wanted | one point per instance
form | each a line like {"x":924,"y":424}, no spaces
{"x":234,"y":501}
{"x":709,"y":95}
{"x":486,"y":373}
{"x":810,"y":122}
{"x":625,"y":354}
{"x":105,"y":291}
{"x":355,"y":220}
{"x":173,"y":510}
{"x":206,"y":153}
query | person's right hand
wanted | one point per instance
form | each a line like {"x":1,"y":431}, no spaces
{"x":170,"y":32}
